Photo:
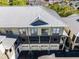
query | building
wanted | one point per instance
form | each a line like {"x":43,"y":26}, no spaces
{"x":74,"y":3}
{"x":73,"y":21}
{"x":31,"y":2}
{"x":35,"y":28}
{"x":43,"y":2}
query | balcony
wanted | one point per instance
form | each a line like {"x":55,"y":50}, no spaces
{"x":40,"y":39}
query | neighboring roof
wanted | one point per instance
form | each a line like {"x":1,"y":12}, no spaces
{"x":72,"y":22}
{"x":2,"y":38}
{"x":2,"y":50}
{"x":24,"y":16}
{"x":1,"y":46}
{"x":8,"y":42}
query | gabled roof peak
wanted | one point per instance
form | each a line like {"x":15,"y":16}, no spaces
{"x":38,"y":22}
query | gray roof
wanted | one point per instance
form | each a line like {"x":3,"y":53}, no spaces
{"x":24,"y":16}
{"x":8,"y":42}
{"x":2,"y":38}
{"x":72,"y":22}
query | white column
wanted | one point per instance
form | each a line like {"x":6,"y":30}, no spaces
{"x":29,"y":31}
{"x":39,"y":31}
{"x":49,"y":31}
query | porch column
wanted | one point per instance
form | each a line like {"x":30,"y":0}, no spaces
{"x":39,"y":33}
{"x":28,"y":37}
{"x":50,"y":36}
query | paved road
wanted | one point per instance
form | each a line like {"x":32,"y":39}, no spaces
{"x":46,"y":55}
{"x":53,"y":57}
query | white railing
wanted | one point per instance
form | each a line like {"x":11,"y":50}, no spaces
{"x":39,"y":47}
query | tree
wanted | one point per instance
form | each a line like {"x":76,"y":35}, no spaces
{"x":4,"y":2}
{"x":66,"y":11}
{"x":55,"y":7}
{"x":20,"y":2}
{"x":62,"y":10}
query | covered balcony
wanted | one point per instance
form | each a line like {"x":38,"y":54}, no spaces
{"x":41,"y":39}
{"x":36,"y":35}
{"x":41,"y":35}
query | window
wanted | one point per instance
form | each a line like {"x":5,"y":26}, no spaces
{"x":15,"y":31}
{"x":23,"y":31}
{"x":8,"y":31}
{"x":2,"y":31}
{"x":44,"y":31}
{"x":56,"y":30}
{"x":34,"y":31}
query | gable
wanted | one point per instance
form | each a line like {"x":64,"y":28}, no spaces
{"x":38,"y":22}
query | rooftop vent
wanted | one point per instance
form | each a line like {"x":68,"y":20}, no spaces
{"x":78,"y":20}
